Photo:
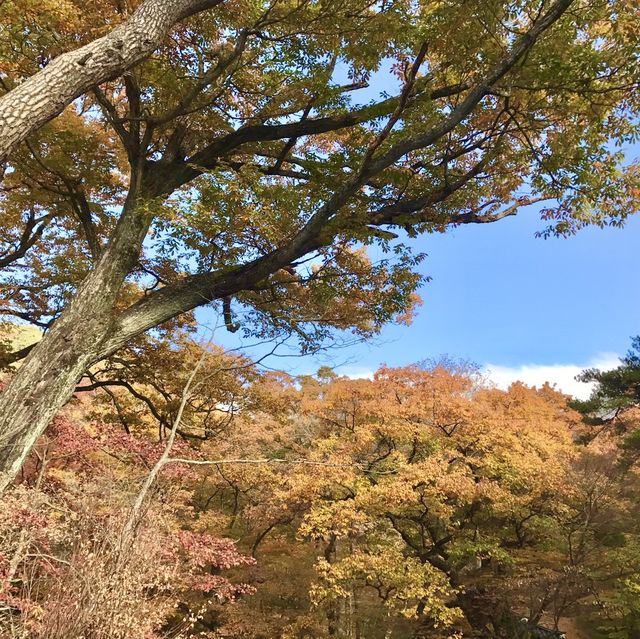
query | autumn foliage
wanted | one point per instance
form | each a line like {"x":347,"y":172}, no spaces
{"x":68,"y":570}
{"x":421,"y":502}
{"x":267,"y":164}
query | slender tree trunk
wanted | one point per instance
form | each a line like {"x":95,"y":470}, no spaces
{"x":333,"y":610}
{"x":133,"y":521}
{"x":48,"y":376}
{"x":40,"y":98}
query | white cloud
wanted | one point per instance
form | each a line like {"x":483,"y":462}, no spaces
{"x":562,"y":375}
{"x":355,"y":372}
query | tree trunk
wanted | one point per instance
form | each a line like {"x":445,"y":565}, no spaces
{"x":88,"y":330}
{"x":40,"y":98}
{"x":48,"y":376}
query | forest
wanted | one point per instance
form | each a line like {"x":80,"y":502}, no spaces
{"x":178,"y":173}
{"x":420,"y":503}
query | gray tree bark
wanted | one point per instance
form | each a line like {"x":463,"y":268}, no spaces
{"x":44,"y":95}
{"x":48,"y":376}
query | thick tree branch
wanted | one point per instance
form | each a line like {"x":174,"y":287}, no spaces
{"x":41,"y":97}
{"x":11,"y":358}
{"x":32,"y":232}
{"x":168,"y":178}
{"x":83,"y":213}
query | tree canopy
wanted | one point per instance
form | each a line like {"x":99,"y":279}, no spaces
{"x":236,"y":165}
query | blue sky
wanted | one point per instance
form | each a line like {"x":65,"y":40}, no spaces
{"x":501,"y":295}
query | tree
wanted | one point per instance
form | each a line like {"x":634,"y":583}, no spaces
{"x":442,"y":507}
{"x":438,"y":500}
{"x":143,"y":385}
{"x":613,"y":409}
{"x":72,"y":568}
{"x":234,"y":167}
{"x":616,"y":392}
